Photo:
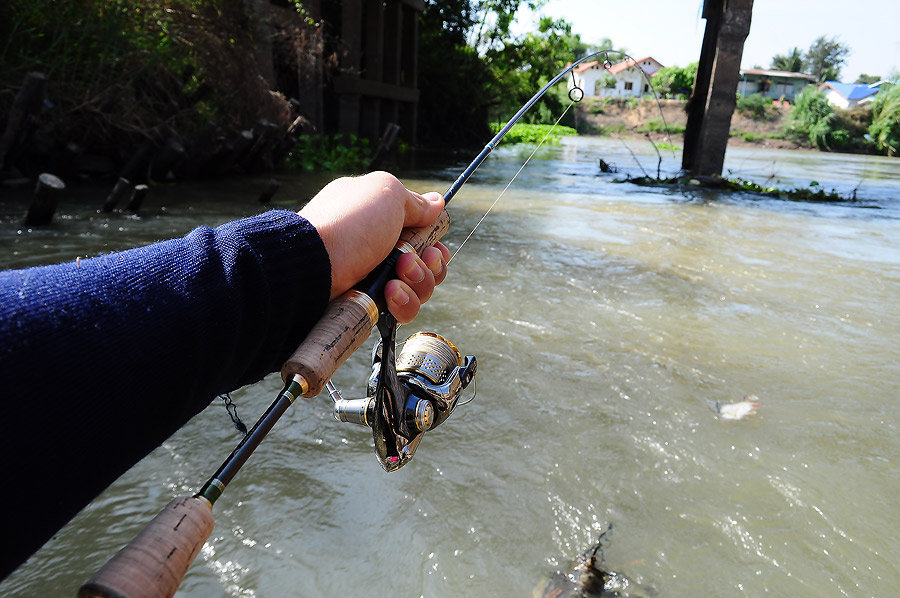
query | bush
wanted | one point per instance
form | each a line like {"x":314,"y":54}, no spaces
{"x":755,"y":106}
{"x":814,"y":120}
{"x":523,"y":133}
{"x":332,"y":153}
{"x":885,"y":127}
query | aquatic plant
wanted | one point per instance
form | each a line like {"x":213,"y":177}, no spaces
{"x":329,"y":152}
{"x":525,"y":133}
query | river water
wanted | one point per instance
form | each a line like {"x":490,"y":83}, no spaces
{"x":608,"y":319}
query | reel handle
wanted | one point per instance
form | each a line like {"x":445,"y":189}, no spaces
{"x":349,"y":319}
{"x":155,"y":562}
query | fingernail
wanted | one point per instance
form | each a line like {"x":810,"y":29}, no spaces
{"x":415,"y":273}
{"x":400,"y":298}
{"x":436,"y":265}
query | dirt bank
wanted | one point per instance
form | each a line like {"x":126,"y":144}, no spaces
{"x":634,"y":119}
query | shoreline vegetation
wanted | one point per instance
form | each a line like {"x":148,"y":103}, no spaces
{"x":156,"y":92}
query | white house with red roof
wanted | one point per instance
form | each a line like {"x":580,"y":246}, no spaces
{"x":629,"y":78}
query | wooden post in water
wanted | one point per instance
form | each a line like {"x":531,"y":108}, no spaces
{"x":137,"y":198}
{"x":46,"y":198}
{"x":118,"y":193}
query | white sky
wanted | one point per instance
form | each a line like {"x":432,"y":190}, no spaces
{"x":672,"y":31}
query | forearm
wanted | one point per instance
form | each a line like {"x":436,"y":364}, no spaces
{"x":106,"y":357}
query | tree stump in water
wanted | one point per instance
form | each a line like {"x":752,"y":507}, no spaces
{"x":46,"y":197}
{"x":119,"y":191}
{"x":137,"y":198}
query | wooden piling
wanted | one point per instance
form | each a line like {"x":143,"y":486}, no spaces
{"x":137,"y":198}
{"x":47,"y":192}
{"x":120,"y":190}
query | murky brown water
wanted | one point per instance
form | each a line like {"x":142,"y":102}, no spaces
{"x":607,"y":320}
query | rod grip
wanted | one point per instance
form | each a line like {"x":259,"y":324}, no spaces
{"x":347,"y":322}
{"x":155,"y":562}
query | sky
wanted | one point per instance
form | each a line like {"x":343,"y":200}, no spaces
{"x":671,"y":31}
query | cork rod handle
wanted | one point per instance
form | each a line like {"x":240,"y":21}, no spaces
{"x":347,"y":322}
{"x":155,"y":562}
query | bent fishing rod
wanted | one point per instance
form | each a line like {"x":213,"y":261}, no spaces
{"x":410,"y":393}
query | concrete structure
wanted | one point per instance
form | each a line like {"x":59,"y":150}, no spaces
{"x":848,"y":95}
{"x":714,"y":95}
{"x":621,"y":80}
{"x":773,"y":84}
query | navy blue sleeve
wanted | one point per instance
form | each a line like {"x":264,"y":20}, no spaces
{"x":103,"y":359}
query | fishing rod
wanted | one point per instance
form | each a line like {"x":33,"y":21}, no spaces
{"x":410,"y":393}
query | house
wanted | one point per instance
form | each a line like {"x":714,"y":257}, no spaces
{"x":629,"y":78}
{"x":777,"y":85}
{"x":848,"y":95}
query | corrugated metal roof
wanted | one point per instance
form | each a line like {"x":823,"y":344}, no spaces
{"x":771,"y":73}
{"x":851,"y":91}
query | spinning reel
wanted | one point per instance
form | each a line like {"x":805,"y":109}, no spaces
{"x":408,"y":394}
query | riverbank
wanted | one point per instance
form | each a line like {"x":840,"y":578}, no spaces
{"x":639,"y":118}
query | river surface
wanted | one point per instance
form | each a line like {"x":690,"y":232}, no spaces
{"x":607,"y":319}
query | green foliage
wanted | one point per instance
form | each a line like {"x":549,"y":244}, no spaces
{"x":755,"y":106}
{"x":332,"y":153}
{"x":658,"y":126}
{"x":532,"y":133}
{"x":813,"y":119}
{"x":885,"y":127}
{"x":791,"y":62}
{"x":473,"y":69}
{"x":673,"y":80}
{"x":122,"y":71}
{"x":824,"y":59}
{"x":867,"y":79}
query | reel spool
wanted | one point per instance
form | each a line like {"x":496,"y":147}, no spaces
{"x":431,"y":373}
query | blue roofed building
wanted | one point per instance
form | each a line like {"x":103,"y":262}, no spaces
{"x":848,"y":95}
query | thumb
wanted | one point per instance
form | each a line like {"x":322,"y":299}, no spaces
{"x":422,"y":209}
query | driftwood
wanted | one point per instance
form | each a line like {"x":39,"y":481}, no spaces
{"x":120,"y":190}
{"x":27,"y":104}
{"x":259,"y":156}
{"x":387,"y":144}
{"x":47,"y":192}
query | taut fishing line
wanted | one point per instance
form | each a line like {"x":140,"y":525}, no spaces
{"x":524,"y":164}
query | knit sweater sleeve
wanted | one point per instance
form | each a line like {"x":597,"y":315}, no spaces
{"x":103,"y":359}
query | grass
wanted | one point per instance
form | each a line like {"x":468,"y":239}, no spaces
{"x":521,"y":133}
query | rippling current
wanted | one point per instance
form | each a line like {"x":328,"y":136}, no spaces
{"x":608,"y":320}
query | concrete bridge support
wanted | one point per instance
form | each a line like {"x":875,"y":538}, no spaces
{"x":713,"y":98}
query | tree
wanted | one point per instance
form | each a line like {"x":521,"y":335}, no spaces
{"x":867,"y":79}
{"x":791,"y":62}
{"x":824,"y":59}
{"x":672,"y":80}
{"x":885,"y":127}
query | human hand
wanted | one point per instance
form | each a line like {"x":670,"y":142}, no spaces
{"x":360,"y":219}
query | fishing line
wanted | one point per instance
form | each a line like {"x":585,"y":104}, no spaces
{"x":512,"y":180}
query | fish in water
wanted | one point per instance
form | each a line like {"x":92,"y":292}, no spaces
{"x":586,"y":577}
{"x":738,"y":410}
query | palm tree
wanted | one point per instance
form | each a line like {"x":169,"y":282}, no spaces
{"x":791,"y":62}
